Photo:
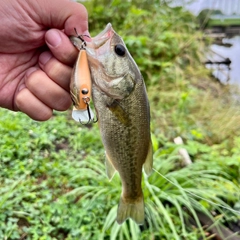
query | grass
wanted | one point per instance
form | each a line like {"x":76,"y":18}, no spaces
{"x":44,"y":160}
{"x":54,"y":186}
{"x":181,"y":189}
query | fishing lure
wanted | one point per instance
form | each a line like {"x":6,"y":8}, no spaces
{"x":81,"y":86}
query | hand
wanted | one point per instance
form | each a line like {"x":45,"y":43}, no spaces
{"x":36,"y":56}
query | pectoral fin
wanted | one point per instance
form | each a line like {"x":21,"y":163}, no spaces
{"x":148,"y":164}
{"x":119,"y":112}
{"x":110,"y":170}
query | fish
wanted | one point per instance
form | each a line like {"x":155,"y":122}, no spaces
{"x":122,"y":107}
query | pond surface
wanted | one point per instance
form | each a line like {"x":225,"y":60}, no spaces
{"x":218,"y":53}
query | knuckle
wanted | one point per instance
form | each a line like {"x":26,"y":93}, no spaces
{"x":68,"y":57}
{"x":32,"y":80}
{"x":52,"y":68}
{"x":34,"y":109}
{"x":59,"y":73}
{"x":19,"y":99}
{"x":57,"y":70}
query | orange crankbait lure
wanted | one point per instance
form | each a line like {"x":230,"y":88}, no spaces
{"x":82,"y":81}
{"x":81,"y":86}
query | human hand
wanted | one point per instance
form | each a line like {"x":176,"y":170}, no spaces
{"x":36,"y":56}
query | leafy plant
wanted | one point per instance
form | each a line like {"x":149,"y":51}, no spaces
{"x":172,"y":194}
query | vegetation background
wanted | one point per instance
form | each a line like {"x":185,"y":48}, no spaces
{"x":52,"y":180}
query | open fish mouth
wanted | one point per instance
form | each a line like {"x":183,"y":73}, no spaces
{"x":103,"y":36}
{"x":94,"y":48}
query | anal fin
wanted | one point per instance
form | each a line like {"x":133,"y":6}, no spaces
{"x":148,"y":164}
{"x":110,"y":169}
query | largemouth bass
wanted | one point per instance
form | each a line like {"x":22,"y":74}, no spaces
{"x":121,"y":103}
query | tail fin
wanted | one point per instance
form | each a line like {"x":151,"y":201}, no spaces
{"x":133,"y":210}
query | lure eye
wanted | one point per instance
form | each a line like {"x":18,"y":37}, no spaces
{"x":120,"y":50}
{"x":84,"y":91}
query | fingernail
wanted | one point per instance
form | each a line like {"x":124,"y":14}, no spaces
{"x":30,"y":71}
{"x":44,"y":57}
{"x":53,"y":38}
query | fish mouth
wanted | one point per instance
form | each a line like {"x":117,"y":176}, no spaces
{"x":93,"y":47}
{"x":103,"y":36}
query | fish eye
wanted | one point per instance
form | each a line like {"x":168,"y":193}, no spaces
{"x":120,"y":50}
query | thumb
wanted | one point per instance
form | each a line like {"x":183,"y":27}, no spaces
{"x":62,"y":14}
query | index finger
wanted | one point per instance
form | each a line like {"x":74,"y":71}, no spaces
{"x":61,"y":47}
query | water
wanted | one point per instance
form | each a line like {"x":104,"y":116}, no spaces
{"x":222,"y":72}
{"x":227,"y":7}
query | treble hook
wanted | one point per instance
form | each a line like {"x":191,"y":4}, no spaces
{"x":86,"y":100}
{"x":84,"y":44}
